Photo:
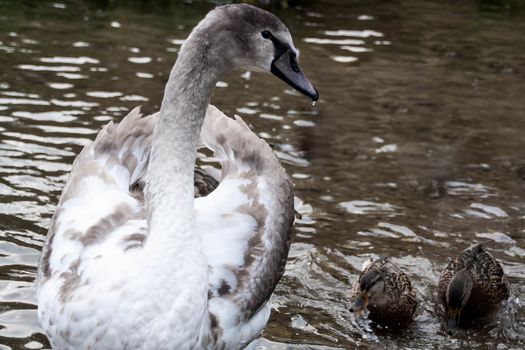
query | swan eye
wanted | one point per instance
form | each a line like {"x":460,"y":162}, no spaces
{"x":266,"y":34}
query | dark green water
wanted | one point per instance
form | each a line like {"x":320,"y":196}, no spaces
{"x":415,"y":150}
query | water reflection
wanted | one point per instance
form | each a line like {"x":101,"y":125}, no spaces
{"x":414,"y":151}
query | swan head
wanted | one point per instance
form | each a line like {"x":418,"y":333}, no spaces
{"x":250,"y":38}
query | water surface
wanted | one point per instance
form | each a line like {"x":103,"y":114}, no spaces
{"x":414,"y":151}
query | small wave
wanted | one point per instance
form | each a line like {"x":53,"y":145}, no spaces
{"x":23,"y":101}
{"x":63,"y":103}
{"x":70,"y":60}
{"x":139,"y":60}
{"x":333,"y":41}
{"x":457,"y":188}
{"x":144,"y":75}
{"x":499,"y":237}
{"x":354,"y":33}
{"x":72,"y":76}
{"x":56,"y":116}
{"x":104,"y":94}
{"x":48,"y":68}
{"x":490,"y":211}
{"x":361,"y":207}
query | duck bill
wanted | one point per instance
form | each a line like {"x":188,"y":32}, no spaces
{"x":360,"y":304}
{"x":286,"y":67}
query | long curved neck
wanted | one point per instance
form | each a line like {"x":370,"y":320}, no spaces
{"x":169,"y":184}
{"x":174,"y":260}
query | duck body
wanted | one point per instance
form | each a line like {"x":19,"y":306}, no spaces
{"x":471,"y":287}
{"x":132,"y":260}
{"x":385,"y":290}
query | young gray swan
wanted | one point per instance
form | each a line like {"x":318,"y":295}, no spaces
{"x":133,"y":267}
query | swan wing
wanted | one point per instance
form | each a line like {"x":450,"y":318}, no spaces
{"x":98,"y":197}
{"x":245,"y":224}
{"x":98,"y":221}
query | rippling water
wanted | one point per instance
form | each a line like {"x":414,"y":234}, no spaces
{"x":414,"y":151}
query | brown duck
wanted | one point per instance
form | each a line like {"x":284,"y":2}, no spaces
{"x":385,"y":290}
{"x":471,"y":287}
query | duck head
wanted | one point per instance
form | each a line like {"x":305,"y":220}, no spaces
{"x":244,"y":36}
{"x":458,"y":293}
{"x":372,"y":288}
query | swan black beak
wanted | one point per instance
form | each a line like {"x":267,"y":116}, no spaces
{"x":286,"y":67}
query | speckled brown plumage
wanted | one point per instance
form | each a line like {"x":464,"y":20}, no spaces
{"x":395,"y":303}
{"x":490,"y":286}
{"x":204,"y":183}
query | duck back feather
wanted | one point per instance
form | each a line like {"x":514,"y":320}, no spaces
{"x":490,"y":283}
